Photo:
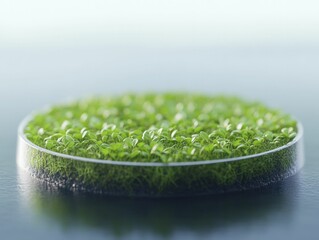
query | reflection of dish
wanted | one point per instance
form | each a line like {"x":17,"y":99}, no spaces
{"x":160,"y":179}
{"x":161,"y":218}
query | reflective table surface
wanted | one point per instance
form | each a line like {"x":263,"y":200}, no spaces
{"x":282,"y":77}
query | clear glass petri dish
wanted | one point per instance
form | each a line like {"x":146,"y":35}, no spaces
{"x":147,"y":179}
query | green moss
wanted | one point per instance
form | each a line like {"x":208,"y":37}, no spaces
{"x":161,"y":128}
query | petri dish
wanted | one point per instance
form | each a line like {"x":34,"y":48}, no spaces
{"x":147,"y":179}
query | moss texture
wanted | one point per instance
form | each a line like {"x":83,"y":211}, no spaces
{"x":161,"y":128}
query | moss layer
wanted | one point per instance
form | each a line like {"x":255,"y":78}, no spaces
{"x":161,"y":128}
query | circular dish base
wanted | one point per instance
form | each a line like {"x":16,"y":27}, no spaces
{"x":139,"y":179}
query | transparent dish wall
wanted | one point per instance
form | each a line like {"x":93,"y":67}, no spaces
{"x":157,"y":179}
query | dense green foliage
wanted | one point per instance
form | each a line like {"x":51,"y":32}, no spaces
{"x":161,"y":128}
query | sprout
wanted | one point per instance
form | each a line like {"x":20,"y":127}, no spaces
{"x":161,"y":128}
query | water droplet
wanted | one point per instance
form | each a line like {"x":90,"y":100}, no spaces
{"x":41,"y":131}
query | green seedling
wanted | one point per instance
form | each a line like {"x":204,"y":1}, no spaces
{"x":159,"y":128}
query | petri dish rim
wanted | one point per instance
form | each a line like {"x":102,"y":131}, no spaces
{"x":28,"y":118}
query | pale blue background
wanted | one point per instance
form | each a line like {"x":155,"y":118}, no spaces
{"x":264,"y":51}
